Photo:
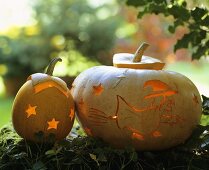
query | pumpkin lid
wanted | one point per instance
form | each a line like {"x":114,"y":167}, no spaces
{"x":42,"y":81}
{"x":38,"y":78}
{"x":137,"y":60}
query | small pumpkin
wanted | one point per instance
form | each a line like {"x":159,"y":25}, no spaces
{"x":43,"y":109}
{"x":136,"y":103}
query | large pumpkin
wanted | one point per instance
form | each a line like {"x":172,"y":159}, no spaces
{"x":43,"y":109}
{"x":136,"y":103}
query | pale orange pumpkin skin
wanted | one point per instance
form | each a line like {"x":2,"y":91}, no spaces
{"x":50,"y":101}
{"x":146,"y":109}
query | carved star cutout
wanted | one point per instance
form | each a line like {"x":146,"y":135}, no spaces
{"x":71,"y":114}
{"x":52,"y":124}
{"x":97,"y":90}
{"x":31,"y":110}
{"x":156,"y":134}
{"x":137,"y":136}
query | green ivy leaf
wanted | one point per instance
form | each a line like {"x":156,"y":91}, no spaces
{"x":179,"y":12}
{"x":198,"y":13}
{"x":202,"y":50}
{"x":157,"y":8}
{"x":171,"y":29}
{"x":184,"y":4}
{"x":205,"y":105}
{"x":205,"y":21}
{"x":142,"y":13}
{"x":184,"y":42}
{"x":197,"y":20}
{"x":177,"y":22}
{"x":136,"y":3}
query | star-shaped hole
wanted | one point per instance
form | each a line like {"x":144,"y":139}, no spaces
{"x":52,"y":124}
{"x":31,"y":110}
{"x":97,"y":90}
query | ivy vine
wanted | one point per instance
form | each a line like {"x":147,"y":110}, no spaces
{"x":195,"y":19}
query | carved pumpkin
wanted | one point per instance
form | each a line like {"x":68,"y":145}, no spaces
{"x":43,"y":109}
{"x":136,"y":103}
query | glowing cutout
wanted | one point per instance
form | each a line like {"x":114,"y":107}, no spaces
{"x":156,"y":134}
{"x":31,"y":110}
{"x":126,"y":113}
{"x":114,"y":117}
{"x":52,"y":124}
{"x":135,"y":133}
{"x":98,"y":117}
{"x":71,"y":115}
{"x":163,"y":94}
{"x":160,"y":89}
{"x":97,"y":120}
{"x":137,"y":136}
{"x":97,"y":90}
{"x":156,"y":85}
{"x":171,"y":119}
{"x":48,"y":84}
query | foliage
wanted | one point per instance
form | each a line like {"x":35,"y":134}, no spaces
{"x":82,"y":152}
{"x":5,"y":110}
{"x":60,"y":26}
{"x":205,"y":105}
{"x":78,"y":153}
{"x":25,"y":55}
{"x":205,"y":111}
{"x":78,"y":25}
{"x":195,"y":19}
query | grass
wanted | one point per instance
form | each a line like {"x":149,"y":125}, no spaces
{"x":80,"y":152}
{"x":5,"y":110}
{"x":86,"y":153}
{"x":5,"y":105}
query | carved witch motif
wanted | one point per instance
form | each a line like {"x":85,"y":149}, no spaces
{"x":136,"y":103}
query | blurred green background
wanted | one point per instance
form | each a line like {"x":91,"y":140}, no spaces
{"x":84,"y":33}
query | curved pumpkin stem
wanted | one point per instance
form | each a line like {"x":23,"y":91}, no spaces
{"x":51,"y":66}
{"x":139,"y":52}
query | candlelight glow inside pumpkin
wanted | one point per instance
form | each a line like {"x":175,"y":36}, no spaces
{"x":43,"y":108}
{"x":136,"y":103}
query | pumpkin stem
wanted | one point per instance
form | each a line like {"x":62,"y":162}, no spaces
{"x":51,"y":65}
{"x":139,"y":52}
